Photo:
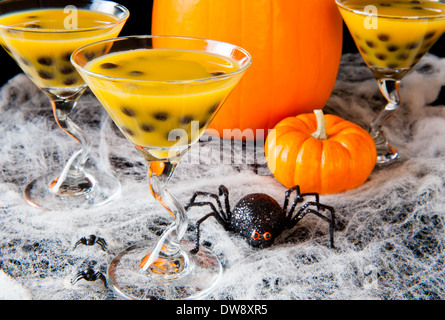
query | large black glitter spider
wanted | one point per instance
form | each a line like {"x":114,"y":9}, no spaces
{"x":258,"y":217}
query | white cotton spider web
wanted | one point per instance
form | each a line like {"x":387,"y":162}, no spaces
{"x":390,"y":231}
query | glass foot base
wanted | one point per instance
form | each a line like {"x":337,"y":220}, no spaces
{"x":387,"y":155}
{"x":129,"y":281}
{"x":105,"y":188}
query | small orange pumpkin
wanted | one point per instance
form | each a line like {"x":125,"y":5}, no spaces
{"x":295,"y":45}
{"x":320,"y":153}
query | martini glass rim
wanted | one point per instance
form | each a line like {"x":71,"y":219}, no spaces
{"x":341,"y":4}
{"x":105,"y":25}
{"x":246,"y":61}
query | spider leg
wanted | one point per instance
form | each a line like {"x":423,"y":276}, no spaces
{"x":219,"y":216}
{"x":288,"y":193}
{"x":100,"y":276}
{"x":80,"y":241}
{"x":79,"y":275}
{"x":223,"y":191}
{"x":102,"y":243}
{"x":298,"y":198}
{"x":197,"y":232}
{"x":205,"y":194}
{"x":89,"y":275}
{"x":320,"y":207}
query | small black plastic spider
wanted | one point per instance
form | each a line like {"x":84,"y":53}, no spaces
{"x":258,"y":217}
{"x":89,"y":275}
{"x":91,"y":240}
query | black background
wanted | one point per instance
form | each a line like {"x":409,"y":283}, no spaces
{"x":139,"y":23}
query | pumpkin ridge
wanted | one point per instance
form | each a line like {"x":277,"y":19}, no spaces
{"x":335,"y":123}
{"x":350,"y":132}
{"x":283,"y":130}
{"x":368,"y":143}
{"x":295,"y":124}
{"x":360,"y":143}
{"x":293,"y":153}
{"x":347,"y":178}
{"x":309,"y":122}
{"x":344,"y":128}
{"x":309,"y":164}
{"x":335,"y":168}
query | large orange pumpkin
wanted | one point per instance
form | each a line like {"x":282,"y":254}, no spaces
{"x":296,"y":48}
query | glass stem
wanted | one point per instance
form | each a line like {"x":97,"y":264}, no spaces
{"x":167,"y":259}
{"x":72,"y":180}
{"x":390,"y":90}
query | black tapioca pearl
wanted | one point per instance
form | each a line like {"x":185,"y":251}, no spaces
{"x":403,"y":57}
{"x":429,"y":35}
{"x":412,"y":45}
{"x":213,"y":108}
{"x":217,"y":73}
{"x":176,"y":135}
{"x":427,"y":44}
{"x":65,"y":94}
{"x":363,"y":50}
{"x":419,"y":55}
{"x":66,"y":56}
{"x":109,"y":65}
{"x":383,"y":37}
{"x":33,"y":26}
{"x":380,"y":56}
{"x":46,"y":75}
{"x":136,"y":73}
{"x":89,"y":55}
{"x":128,"y":131}
{"x":66,"y":70}
{"x":128,"y":111}
{"x":25,"y":61}
{"x":70,"y":81}
{"x":146,"y":127}
{"x":392,"y":48}
{"x":45,"y":61}
{"x":104,"y":50}
{"x":370,"y":44}
{"x":186,"y":119}
{"x":171,"y":137}
{"x":161,"y":116}
{"x":392,"y":65}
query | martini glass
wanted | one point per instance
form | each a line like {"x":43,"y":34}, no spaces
{"x":392,"y":36}
{"x":162,"y":92}
{"x":40,"y":36}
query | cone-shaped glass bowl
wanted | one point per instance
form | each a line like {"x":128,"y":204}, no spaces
{"x":162,"y":92}
{"x":40,"y":36}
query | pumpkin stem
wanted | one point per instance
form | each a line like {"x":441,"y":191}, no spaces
{"x":321,"y":126}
